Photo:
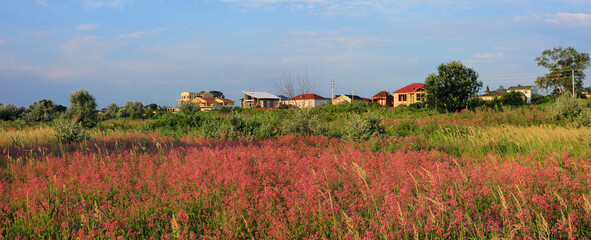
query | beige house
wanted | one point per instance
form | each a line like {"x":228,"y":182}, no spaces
{"x":338,"y":99}
{"x":189,"y":96}
{"x":490,"y":95}
{"x":209,"y":103}
{"x":306,"y":101}
{"x":260,"y":99}
{"x":204,"y":100}
{"x":413,"y":93}
{"x":528,"y":91}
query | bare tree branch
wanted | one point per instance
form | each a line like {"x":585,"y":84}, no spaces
{"x":293,"y":85}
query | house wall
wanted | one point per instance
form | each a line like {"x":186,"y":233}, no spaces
{"x":384,"y":101}
{"x":306,"y":103}
{"x":408,"y":98}
{"x":528,"y":93}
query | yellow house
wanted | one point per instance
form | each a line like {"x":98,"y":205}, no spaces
{"x":413,"y":93}
{"x":189,"y":96}
{"x":338,"y":99}
{"x":208,"y":103}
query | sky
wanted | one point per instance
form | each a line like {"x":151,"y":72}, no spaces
{"x":152,"y":50}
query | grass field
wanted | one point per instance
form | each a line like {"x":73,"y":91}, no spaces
{"x":456,"y":176}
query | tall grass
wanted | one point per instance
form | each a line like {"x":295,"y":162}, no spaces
{"x":287,"y":187}
{"x":507,"y":140}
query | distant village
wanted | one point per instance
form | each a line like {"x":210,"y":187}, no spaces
{"x":410,"y":94}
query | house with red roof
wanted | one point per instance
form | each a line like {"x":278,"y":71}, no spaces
{"x":383,"y":98}
{"x":412,"y":93}
{"x":309,"y":100}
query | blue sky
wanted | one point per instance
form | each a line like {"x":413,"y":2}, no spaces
{"x":152,"y":50}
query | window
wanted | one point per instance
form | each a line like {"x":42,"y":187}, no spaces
{"x":402,"y":98}
{"x":420,"y":97}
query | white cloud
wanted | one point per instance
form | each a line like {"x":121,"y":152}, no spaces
{"x":86,"y":27}
{"x":487,"y":55}
{"x":94,"y":4}
{"x":576,"y":19}
{"x":142,"y":34}
{"x":2,"y":41}
{"x":42,"y":3}
{"x":87,"y":47}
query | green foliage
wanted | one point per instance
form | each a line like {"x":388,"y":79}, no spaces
{"x":451,"y":88}
{"x":110,"y":112}
{"x":217,"y":94}
{"x":475,"y":102}
{"x":188,"y":108}
{"x":362,"y":128}
{"x":540,"y":99}
{"x":302,"y":121}
{"x":69,"y":131}
{"x":568,"y":108}
{"x":40,"y":111}
{"x":132,"y":109}
{"x":83,"y":108}
{"x":560,"y":63}
{"x":513,"y":98}
{"x":10,"y":112}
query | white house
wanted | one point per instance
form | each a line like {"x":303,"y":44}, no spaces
{"x":306,"y":101}
{"x":528,"y":91}
{"x":261,"y":99}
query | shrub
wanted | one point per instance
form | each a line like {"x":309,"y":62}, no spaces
{"x":513,"y":98}
{"x":69,"y":131}
{"x":568,"y":108}
{"x":83,"y":108}
{"x":9,"y":112}
{"x":363,"y":128}
{"x":302,"y":121}
{"x":188,"y":108}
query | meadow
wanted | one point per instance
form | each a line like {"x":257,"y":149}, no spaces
{"x":348,"y":172}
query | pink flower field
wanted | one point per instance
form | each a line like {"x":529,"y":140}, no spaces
{"x":287,"y":187}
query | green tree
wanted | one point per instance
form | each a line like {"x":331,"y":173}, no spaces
{"x":133,"y":109}
{"x":40,"y":111}
{"x":188,"y":107}
{"x":217,"y":94}
{"x":82,"y":108}
{"x":9,"y":112}
{"x":110,"y":112}
{"x":513,"y":98}
{"x":561,"y":63}
{"x":453,"y":86}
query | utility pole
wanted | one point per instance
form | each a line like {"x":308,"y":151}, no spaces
{"x":332,"y":89}
{"x":573,"y":82}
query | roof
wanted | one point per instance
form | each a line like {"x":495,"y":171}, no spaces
{"x":382,"y":94}
{"x":261,"y":95}
{"x":520,"y":88}
{"x":491,"y":93}
{"x":225,"y":100}
{"x":308,"y":96}
{"x":352,"y":97}
{"x":411,"y":88}
{"x":208,"y":99}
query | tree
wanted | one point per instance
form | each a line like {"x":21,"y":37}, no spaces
{"x":83,"y":108}
{"x":10,"y":112}
{"x":134,"y":109}
{"x":293,"y":85}
{"x":40,"y":111}
{"x":513,"y":98}
{"x":452,"y":87}
{"x":110,"y":112}
{"x":188,"y":107}
{"x":217,"y":94}
{"x":561,"y":64}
